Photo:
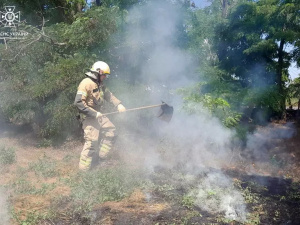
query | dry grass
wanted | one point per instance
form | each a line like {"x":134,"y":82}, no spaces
{"x":44,"y":185}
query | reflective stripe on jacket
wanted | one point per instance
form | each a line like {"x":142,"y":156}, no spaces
{"x":91,"y":95}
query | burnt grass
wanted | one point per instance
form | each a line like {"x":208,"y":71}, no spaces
{"x":277,"y":201}
{"x":270,"y":200}
{"x":279,"y":197}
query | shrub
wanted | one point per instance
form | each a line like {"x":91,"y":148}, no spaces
{"x":7,"y":155}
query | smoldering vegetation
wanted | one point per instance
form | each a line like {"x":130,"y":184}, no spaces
{"x":198,"y":147}
{"x":187,"y":143}
{"x":188,"y":160}
{"x":262,"y":140}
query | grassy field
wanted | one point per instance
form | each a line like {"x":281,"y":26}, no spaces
{"x":42,"y":185}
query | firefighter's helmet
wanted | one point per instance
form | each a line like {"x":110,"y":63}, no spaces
{"x":100,"y":65}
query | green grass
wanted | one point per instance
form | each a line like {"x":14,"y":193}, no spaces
{"x":88,"y":189}
{"x":110,"y":184}
{"x":188,"y":201}
{"x":7,"y":155}
{"x":23,"y":186}
{"x":32,"y":218}
{"x":44,"y":167}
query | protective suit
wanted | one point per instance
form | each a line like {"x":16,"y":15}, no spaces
{"x":99,"y":131}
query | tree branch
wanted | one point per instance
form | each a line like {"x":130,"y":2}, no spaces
{"x":25,"y":46}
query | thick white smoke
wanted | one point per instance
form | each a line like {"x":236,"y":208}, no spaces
{"x":153,"y":28}
{"x":198,"y":145}
{"x":195,"y":143}
{"x":217,"y":194}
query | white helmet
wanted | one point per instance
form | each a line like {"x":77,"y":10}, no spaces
{"x":97,"y":66}
{"x":100,"y":66}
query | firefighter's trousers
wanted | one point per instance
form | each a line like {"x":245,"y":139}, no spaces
{"x":98,"y":135}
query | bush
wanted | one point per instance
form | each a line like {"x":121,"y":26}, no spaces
{"x":196,"y":102}
{"x":7,"y":155}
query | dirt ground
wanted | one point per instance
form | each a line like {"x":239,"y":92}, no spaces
{"x":275,"y":184}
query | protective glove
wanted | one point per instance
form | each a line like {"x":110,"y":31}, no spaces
{"x":121,"y":108}
{"x":99,"y":115}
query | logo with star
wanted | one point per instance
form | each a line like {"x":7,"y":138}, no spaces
{"x":9,"y":18}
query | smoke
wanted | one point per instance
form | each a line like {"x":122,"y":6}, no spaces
{"x":196,"y":145}
{"x":154,"y":31}
{"x":216,"y":194}
{"x":200,"y":141}
{"x":263,"y":140}
{"x":4,"y":217}
{"x":153,"y":34}
{"x":192,"y":143}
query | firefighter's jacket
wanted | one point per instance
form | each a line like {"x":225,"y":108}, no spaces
{"x":91,"y":95}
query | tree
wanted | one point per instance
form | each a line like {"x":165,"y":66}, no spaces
{"x":252,"y":44}
{"x":211,"y":91}
{"x":52,"y":11}
{"x":41,"y":73}
{"x":122,"y":4}
{"x":294,"y":91}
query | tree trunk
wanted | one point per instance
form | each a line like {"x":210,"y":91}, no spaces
{"x":79,"y":7}
{"x":279,"y":80}
{"x":224,"y":4}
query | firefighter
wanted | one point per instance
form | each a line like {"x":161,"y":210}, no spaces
{"x":99,"y":131}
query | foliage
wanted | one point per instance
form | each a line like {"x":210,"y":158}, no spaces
{"x":31,"y":218}
{"x":121,"y":3}
{"x":242,"y":50}
{"x":293,"y":193}
{"x":241,"y":62}
{"x":251,"y":44}
{"x":189,"y":217}
{"x":216,"y":105}
{"x":115,"y":184}
{"x":42,"y":74}
{"x":23,"y":186}
{"x":294,"y":91}
{"x":90,"y":29}
{"x":7,"y":155}
{"x":218,"y":92}
{"x":188,"y":201}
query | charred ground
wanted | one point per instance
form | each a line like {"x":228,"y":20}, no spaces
{"x":45,"y":187}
